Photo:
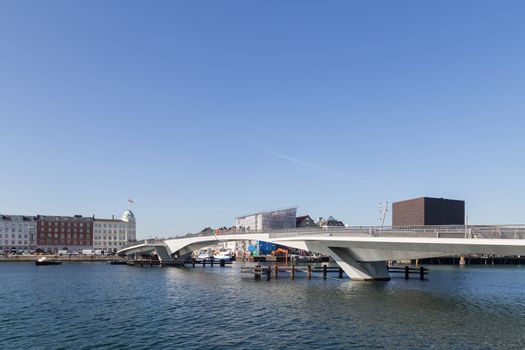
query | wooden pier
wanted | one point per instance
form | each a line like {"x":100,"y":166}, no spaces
{"x":192,"y":263}
{"x":407,"y":271}
{"x":258,"y":271}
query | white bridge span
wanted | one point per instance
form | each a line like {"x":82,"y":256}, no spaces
{"x":361,"y":252}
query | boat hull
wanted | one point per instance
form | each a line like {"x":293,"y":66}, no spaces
{"x":44,"y":263}
{"x":224,"y":258}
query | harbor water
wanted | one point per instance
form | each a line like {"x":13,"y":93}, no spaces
{"x":93,"y":305}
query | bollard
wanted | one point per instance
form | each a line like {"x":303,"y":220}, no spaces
{"x":257,"y":271}
{"x":222,"y":263}
{"x":203,"y":262}
{"x":268,"y":273}
{"x":292,"y":272}
{"x":211,"y":262}
{"x":421,"y":273}
{"x":340,"y":273}
{"x":325,"y":270}
{"x":406,"y":272}
{"x":276,"y":270}
{"x":309,"y":273}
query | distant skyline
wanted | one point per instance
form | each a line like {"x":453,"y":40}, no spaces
{"x":202,"y":111}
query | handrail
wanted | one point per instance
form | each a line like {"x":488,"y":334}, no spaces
{"x":444,"y":231}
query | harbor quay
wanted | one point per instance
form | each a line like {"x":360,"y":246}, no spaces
{"x":72,"y":258}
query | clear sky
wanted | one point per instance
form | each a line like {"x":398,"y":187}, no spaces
{"x":202,"y":111}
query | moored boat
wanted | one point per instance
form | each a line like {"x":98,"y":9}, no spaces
{"x":204,"y":254}
{"x":223,"y":254}
{"x":117,"y":262}
{"x":45,"y":261}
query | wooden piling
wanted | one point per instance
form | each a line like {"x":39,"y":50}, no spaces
{"x":421,"y":273}
{"x":406,"y":272}
{"x":268,"y":273}
{"x":211,"y":262}
{"x":222,"y":263}
{"x":325,"y":271}
{"x":276,"y":268}
{"x":193,"y":262}
{"x":309,"y":273}
{"x":340,"y":273}
{"x":203,"y":262}
{"x":257,"y":271}
{"x":292,"y":272}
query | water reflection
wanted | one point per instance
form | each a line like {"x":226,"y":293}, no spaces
{"x":100,"y":306}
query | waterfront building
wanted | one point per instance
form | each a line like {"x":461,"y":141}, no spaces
{"x":17,"y":233}
{"x":305,"y":221}
{"x":330,"y":222}
{"x":265,"y":220}
{"x":268,"y":220}
{"x":113,"y":234}
{"x":428,"y":211}
{"x":72,"y":233}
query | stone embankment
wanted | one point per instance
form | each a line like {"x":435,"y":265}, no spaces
{"x":14,"y":258}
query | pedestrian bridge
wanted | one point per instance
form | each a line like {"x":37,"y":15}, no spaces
{"x":361,"y":252}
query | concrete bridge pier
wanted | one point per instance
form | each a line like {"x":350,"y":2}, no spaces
{"x":359,"y":271}
{"x":163,"y":254}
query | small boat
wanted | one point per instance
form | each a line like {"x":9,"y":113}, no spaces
{"x":223,"y":254}
{"x":204,"y":255}
{"x":45,"y":261}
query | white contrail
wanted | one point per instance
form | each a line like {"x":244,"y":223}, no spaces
{"x":308,"y":164}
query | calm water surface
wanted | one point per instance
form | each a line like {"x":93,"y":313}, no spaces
{"x":98,"y":306}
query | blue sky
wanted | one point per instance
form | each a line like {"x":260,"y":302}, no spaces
{"x":205,"y":110}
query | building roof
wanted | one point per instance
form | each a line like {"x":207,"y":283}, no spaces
{"x":128,"y":216}
{"x":432,"y":198}
{"x":112,"y":220}
{"x":10,"y":217}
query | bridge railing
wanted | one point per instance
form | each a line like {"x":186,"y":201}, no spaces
{"x":142,"y":241}
{"x":448,"y":231}
{"x":469,"y":232}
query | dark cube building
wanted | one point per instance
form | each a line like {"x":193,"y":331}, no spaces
{"x":428,"y":211}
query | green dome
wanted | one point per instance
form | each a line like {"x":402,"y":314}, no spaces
{"x":128,"y":216}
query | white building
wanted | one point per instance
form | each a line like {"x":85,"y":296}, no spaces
{"x":268,"y":220}
{"x":17,"y":233}
{"x":110,"y":235}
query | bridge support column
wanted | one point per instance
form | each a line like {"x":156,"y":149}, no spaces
{"x":360,"y":271}
{"x":163,"y":254}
